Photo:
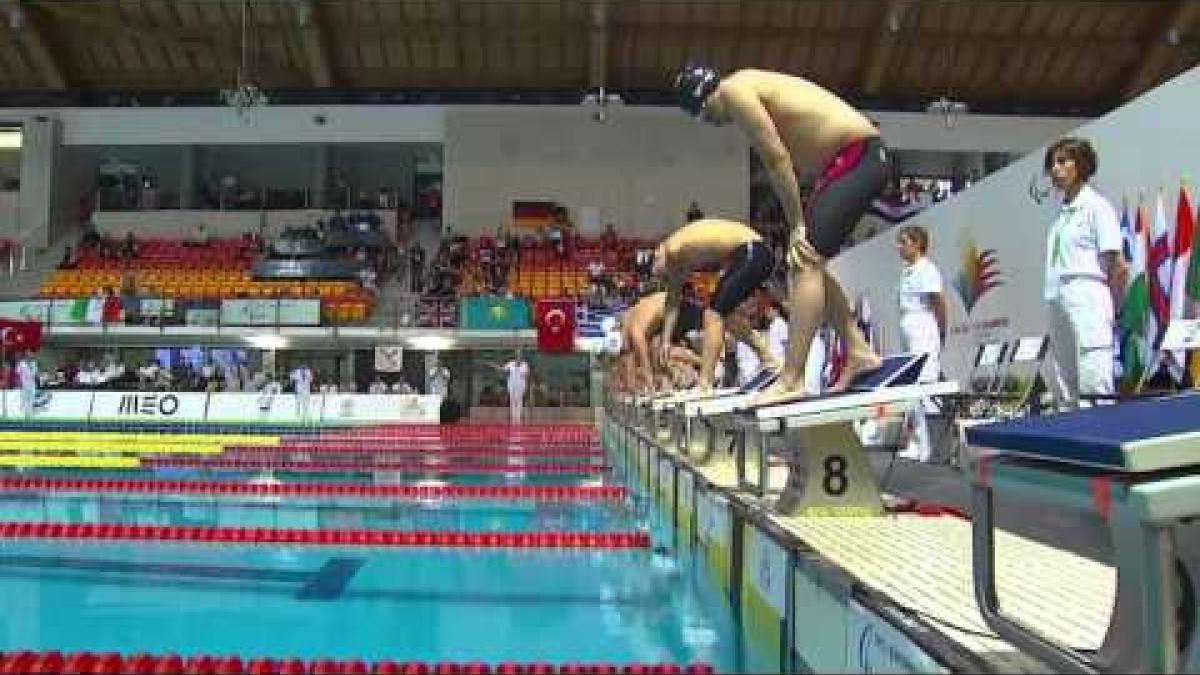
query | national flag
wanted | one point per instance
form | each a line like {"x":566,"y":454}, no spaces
{"x":865,"y":318}
{"x":1185,"y":227}
{"x":1192,"y":308}
{"x":1135,"y":306}
{"x":20,"y":336}
{"x":555,"y":322}
{"x":1119,"y":332}
{"x":1158,"y":273}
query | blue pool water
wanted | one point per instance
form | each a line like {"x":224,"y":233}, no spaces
{"x":419,"y":604}
{"x":306,"y":513}
{"x":400,"y":604}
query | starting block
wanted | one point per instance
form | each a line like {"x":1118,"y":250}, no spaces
{"x":701,"y":424}
{"x":1137,"y":466}
{"x":829,"y":472}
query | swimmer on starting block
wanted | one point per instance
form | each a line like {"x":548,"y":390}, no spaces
{"x":645,"y":320}
{"x":796,"y":126}
{"x":746,"y":263}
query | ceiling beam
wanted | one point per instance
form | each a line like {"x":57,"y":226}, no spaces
{"x":103,"y":18}
{"x":598,"y":39}
{"x":30,"y":26}
{"x":885,"y":44}
{"x":311,"y":20}
{"x":1165,"y":39}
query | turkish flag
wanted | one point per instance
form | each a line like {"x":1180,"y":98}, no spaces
{"x":555,"y":322}
{"x":20,"y":336}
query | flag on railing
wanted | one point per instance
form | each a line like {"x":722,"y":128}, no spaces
{"x":1136,"y":305}
{"x":20,"y":336}
{"x":555,"y":322}
{"x":1185,"y":227}
{"x":494,"y":313}
{"x":1158,"y":272}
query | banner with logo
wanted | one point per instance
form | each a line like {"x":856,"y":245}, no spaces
{"x":685,"y":507}
{"x":48,"y":405}
{"x":820,"y":623}
{"x":360,"y":408}
{"x":25,"y":310}
{"x":494,"y":313}
{"x":714,"y":535}
{"x":764,"y":594}
{"x":288,"y":312}
{"x":666,"y":485}
{"x":389,"y":358}
{"x":875,"y":646}
{"x":254,"y":408}
{"x":143,"y":406}
{"x":227,"y":407}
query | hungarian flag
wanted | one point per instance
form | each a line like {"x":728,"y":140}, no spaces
{"x":20,"y":336}
{"x":555,"y":323}
{"x":1185,"y":227}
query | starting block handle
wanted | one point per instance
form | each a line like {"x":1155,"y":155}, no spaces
{"x":1056,"y":657}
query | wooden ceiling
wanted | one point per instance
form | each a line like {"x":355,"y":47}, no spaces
{"x":1018,"y":55}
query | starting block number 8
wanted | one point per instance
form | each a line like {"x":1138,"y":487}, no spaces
{"x":836,"y":480}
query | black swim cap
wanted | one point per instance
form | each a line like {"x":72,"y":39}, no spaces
{"x":694,"y":84}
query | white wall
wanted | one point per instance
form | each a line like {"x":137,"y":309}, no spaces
{"x":1143,"y":146}
{"x":971,"y":133}
{"x":641,"y":168}
{"x":219,"y":125}
{"x":9,"y":205}
{"x":425,"y":124}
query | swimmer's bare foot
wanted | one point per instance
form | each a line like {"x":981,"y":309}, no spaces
{"x":786,"y":387}
{"x":855,"y":366}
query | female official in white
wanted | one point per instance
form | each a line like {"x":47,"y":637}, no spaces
{"x":922,"y":320}
{"x":1085,"y":276}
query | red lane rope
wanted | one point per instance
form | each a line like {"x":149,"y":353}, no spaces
{"x":146,"y":664}
{"x":349,"y":537}
{"x":437,"y":442}
{"x":409,"y":449}
{"x":531,"y":492}
{"x":401,"y":467}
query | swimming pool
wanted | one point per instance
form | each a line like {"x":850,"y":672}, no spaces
{"x":433,"y":604}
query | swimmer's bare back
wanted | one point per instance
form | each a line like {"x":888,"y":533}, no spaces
{"x":813,"y":122}
{"x":705,"y":244}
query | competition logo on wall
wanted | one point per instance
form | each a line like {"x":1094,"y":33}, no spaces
{"x":979,"y":271}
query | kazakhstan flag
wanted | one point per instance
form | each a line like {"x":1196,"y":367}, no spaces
{"x":494,"y":314}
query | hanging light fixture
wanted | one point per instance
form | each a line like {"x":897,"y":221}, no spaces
{"x":245,"y":95}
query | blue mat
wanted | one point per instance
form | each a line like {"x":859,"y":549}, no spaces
{"x":1094,"y":436}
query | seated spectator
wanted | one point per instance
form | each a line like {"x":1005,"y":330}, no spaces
{"x":129,"y":247}
{"x":609,"y":240}
{"x":110,"y":308}
{"x":378,"y":386}
{"x":69,"y":260}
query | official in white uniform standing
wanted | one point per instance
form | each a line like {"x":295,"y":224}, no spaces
{"x":518,"y":377}
{"x":922,"y":321}
{"x":27,"y":379}
{"x":302,"y":379}
{"x":1085,"y":276}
